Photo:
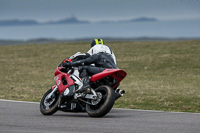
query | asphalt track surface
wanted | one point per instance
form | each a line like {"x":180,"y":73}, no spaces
{"x":22,"y":117}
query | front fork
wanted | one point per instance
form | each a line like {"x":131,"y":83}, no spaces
{"x":54,"y":90}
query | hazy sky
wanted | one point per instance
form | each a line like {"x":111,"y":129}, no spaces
{"x":96,"y":10}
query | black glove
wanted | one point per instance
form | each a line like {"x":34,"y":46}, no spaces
{"x":67,"y":64}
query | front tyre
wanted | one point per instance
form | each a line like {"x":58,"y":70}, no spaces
{"x":49,"y":106}
{"x":107,"y":100}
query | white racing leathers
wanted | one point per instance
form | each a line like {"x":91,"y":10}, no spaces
{"x":101,"y":48}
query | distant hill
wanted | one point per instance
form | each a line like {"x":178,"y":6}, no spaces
{"x":71,"y":20}
{"x":141,"y":19}
{"x":16,"y":22}
{"x":144,"y":19}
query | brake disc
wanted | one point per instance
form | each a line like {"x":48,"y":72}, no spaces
{"x":48,"y":101}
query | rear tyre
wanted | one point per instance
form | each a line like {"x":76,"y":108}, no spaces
{"x":104,"y":105}
{"x":49,"y":106}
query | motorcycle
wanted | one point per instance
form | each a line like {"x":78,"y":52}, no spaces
{"x":97,"y":103}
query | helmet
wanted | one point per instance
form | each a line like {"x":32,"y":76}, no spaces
{"x":97,"y":41}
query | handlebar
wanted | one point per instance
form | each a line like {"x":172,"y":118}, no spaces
{"x":69,"y":70}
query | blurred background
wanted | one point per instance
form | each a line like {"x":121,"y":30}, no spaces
{"x":117,"y":19}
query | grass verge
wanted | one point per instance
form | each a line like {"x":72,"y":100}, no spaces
{"x":161,"y":75}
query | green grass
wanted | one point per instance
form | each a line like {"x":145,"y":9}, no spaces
{"x":161,"y":75}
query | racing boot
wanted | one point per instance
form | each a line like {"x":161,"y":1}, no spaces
{"x":86,"y":85}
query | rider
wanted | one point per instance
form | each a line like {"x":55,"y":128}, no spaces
{"x":101,"y":59}
{"x":97,"y":45}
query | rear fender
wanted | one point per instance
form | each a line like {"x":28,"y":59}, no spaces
{"x":117,"y":74}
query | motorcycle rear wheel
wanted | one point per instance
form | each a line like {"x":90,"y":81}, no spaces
{"x":106,"y":103}
{"x":49,"y":106}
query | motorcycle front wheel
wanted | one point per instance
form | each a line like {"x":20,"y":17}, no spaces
{"x":49,"y":106}
{"x":104,"y":104}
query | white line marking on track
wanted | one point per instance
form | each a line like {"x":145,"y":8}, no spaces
{"x":5,"y":100}
{"x":155,"y":111}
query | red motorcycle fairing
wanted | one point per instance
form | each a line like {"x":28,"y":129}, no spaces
{"x":57,"y":71}
{"x":60,"y":76}
{"x":62,"y":80}
{"x":118,"y":74}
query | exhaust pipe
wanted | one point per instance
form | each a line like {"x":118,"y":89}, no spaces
{"x":119,"y":93}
